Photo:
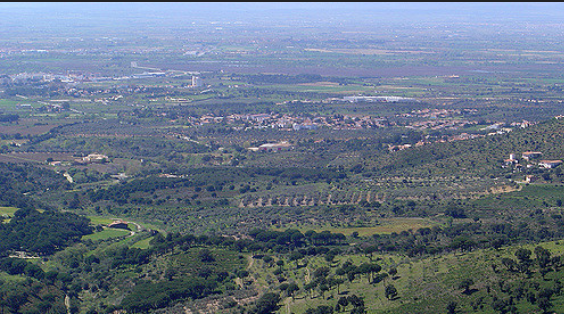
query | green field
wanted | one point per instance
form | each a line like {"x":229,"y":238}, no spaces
{"x":142,"y":244}
{"x":96,"y":220}
{"x":106,"y":234}
{"x":322,"y":88}
{"x":7,"y":213}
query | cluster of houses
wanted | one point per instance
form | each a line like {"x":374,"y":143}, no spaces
{"x":286,"y":122}
{"x":71,"y":78}
{"x":377,"y":99}
{"x":434,"y":119}
{"x":38,"y":77}
{"x":531,"y":158}
{"x":89,"y":159}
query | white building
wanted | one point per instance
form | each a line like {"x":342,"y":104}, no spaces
{"x":196,"y":81}
{"x":550,"y":163}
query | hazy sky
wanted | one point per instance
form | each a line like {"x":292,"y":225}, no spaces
{"x":509,"y":8}
{"x":39,"y":14}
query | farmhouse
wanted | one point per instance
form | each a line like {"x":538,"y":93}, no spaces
{"x":118,"y":224}
{"x":531,"y":155}
{"x":550,"y":163}
{"x":93,"y":158}
{"x":272,"y":147}
{"x":275,"y":146}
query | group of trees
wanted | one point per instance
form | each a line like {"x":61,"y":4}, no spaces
{"x":527,"y":280}
{"x":341,"y":306}
{"x":294,"y":238}
{"x":42,"y":233}
{"x":461,"y":237}
{"x":32,"y":296}
{"x":10,"y":118}
{"x":310,"y":243}
{"x":150,"y":296}
{"x":543,"y":261}
{"x":15,"y":266}
{"x":23,"y":178}
{"x":219,"y":182}
{"x":326,"y":278}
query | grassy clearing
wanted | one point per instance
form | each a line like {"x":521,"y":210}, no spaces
{"x":7,"y":278}
{"x":106,"y":234}
{"x":7,"y":213}
{"x":96,"y":220}
{"x":9,"y":104}
{"x":555,"y":247}
{"x":143,"y":244}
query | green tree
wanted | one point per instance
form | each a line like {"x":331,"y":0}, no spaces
{"x":543,"y":257}
{"x":524,"y":257}
{"x":267,"y":303}
{"x":465,"y":284}
{"x":391,"y":292}
{"x":343,"y":302}
{"x":206,"y":256}
{"x":510,"y":264}
{"x":544,"y":304}
{"x":310,"y":286}
{"x":280,"y":263}
{"x":292,"y":288}
{"x":451,"y":307}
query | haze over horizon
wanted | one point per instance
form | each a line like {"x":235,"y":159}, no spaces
{"x":402,"y":10}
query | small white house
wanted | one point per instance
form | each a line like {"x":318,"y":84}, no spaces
{"x":550,"y":163}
